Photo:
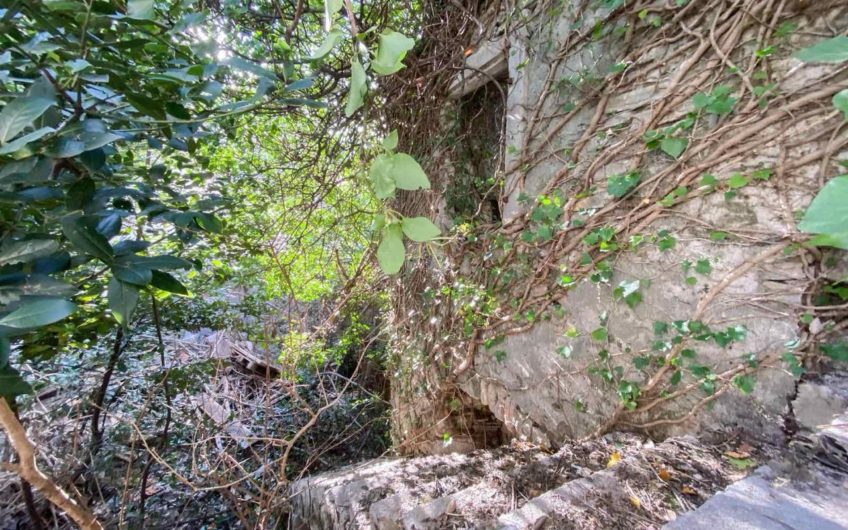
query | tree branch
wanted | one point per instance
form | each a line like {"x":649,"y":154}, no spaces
{"x":28,"y":470}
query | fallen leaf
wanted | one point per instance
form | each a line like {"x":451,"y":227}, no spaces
{"x":614,"y":458}
{"x":737,"y":454}
{"x":687,"y":490}
{"x":741,"y":463}
{"x":468,"y":52}
{"x":634,"y":500}
{"x":664,"y":474}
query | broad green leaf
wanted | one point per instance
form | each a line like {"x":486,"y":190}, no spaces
{"x":408,"y":174}
{"x":84,"y":236}
{"x":123,"y":298}
{"x":38,"y":313}
{"x":420,"y":229}
{"x":5,"y":350}
{"x":158,"y":262}
{"x":358,"y":89}
{"x":19,"y":113}
{"x":390,"y":142}
{"x":25,"y":251}
{"x":391,"y":50}
{"x":333,"y":38}
{"x":391,"y":253}
{"x":77,"y":65}
{"x":828,"y":214}
{"x":141,"y":9}
{"x":166,"y":282}
{"x":12,"y":384}
{"x":133,"y":274}
{"x":209,"y":222}
{"x":620,"y":185}
{"x":673,"y":147}
{"x":840,"y":101}
{"x":20,"y":143}
{"x":382,"y":176}
{"x":833,"y":50}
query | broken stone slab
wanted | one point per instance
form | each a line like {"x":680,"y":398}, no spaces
{"x":765,"y":502}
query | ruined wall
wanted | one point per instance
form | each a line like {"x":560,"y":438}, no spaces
{"x":648,"y":272}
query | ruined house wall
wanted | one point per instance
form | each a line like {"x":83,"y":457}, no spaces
{"x":567,"y":355}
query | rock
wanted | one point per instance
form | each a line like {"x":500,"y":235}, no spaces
{"x":817,"y":405}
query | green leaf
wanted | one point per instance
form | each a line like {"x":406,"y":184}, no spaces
{"x":208,"y":222}
{"x":132,"y":274}
{"x":600,"y":335}
{"x":408,"y":173}
{"x":12,"y":384}
{"x":358,"y":89}
{"x":141,"y":9}
{"x":620,"y":185}
{"x":166,"y":282}
{"x":26,"y":251}
{"x":38,"y":313}
{"x":390,"y":52}
{"x":163,"y":261}
{"x":382,"y":176}
{"x":420,"y":229}
{"x":737,"y":180}
{"x":840,"y":101}
{"x":331,"y":7}
{"x":703,"y":266}
{"x":827,"y":215}
{"x":673,"y":147}
{"x":833,"y":50}
{"x":838,"y":351}
{"x":330,"y":41}
{"x":83,"y":235}
{"x":19,"y":113}
{"x":745,"y":383}
{"x":123,"y":298}
{"x":23,"y":141}
{"x":5,"y":350}
{"x":390,"y":142}
{"x":391,"y":253}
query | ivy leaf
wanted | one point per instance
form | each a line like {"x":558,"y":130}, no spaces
{"x":330,"y":41}
{"x":736,"y":181}
{"x":828,"y":214}
{"x":390,"y":142}
{"x":833,"y":50}
{"x":140,"y":9}
{"x":166,"y":282}
{"x":600,"y":335}
{"x":420,"y":229}
{"x":838,"y":351}
{"x":123,"y":298}
{"x":85,"y":237}
{"x":390,"y":52}
{"x":673,"y":147}
{"x":408,"y":173}
{"x":358,"y":89}
{"x":391,"y":253}
{"x":840,"y":101}
{"x":620,"y":185}
{"x":19,"y":113}
{"x":382,"y":176}
{"x":38,"y":313}
{"x":745,"y":383}
{"x":25,"y":251}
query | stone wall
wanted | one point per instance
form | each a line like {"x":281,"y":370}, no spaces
{"x":586,"y":85}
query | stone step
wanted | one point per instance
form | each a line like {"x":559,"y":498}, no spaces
{"x":646,"y":487}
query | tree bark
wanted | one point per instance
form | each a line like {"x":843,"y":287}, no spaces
{"x":28,"y":470}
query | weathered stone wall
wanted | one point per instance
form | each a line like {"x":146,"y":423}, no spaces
{"x":585,"y":86}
